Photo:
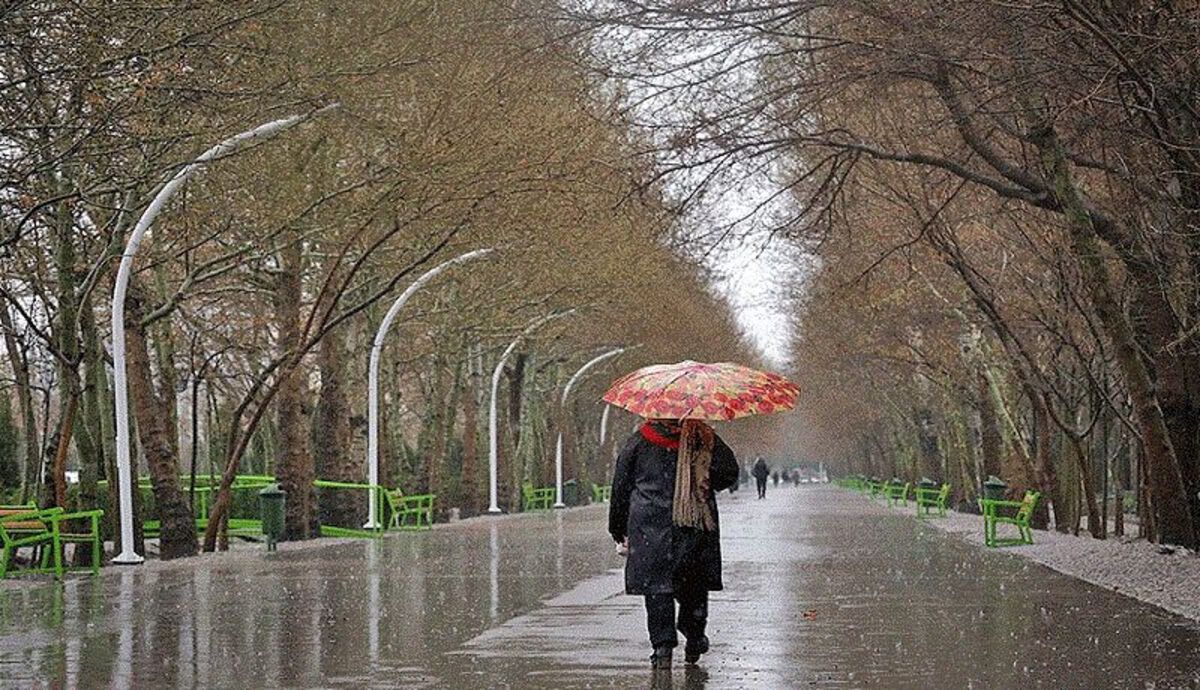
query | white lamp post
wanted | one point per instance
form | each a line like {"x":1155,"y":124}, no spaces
{"x":604,"y":423}
{"x":373,"y":379}
{"x":493,"y":436}
{"x":558,"y":447}
{"x":120,"y":388}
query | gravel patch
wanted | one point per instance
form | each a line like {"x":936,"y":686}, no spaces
{"x":1132,"y":567}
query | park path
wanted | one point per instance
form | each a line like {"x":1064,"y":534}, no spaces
{"x":824,"y":589}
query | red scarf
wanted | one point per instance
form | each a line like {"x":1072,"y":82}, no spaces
{"x":651,"y":434}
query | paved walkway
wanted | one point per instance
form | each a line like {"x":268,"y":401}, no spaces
{"x":825,"y":590}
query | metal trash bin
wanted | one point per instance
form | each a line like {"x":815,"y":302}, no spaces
{"x":571,"y":492}
{"x":994,"y":488}
{"x":272,"y":502}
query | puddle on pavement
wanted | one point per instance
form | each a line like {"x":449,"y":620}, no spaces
{"x":535,"y":602}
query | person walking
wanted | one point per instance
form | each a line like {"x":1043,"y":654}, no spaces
{"x":663,"y":510}
{"x":775,"y":478}
{"x":761,"y":472}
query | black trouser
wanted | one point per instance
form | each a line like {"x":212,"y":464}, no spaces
{"x":661,"y":620}
{"x":762,"y":486}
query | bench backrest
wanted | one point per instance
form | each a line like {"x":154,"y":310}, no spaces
{"x":24,"y":520}
{"x":1027,"y":505}
{"x":393,"y":497}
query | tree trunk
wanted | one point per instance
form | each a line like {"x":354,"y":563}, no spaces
{"x":67,"y":340}
{"x":1175,"y":379}
{"x":62,"y":446}
{"x":178,"y":525}
{"x":1171,"y":503}
{"x":331,"y":437}
{"x":443,"y":430}
{"x":991,"y":442}
{"x":516,"y":391}
{"x":90,"y":439}
{"x":294,"y":466}
{"x":29,"y":429}
{"x":1096,"y":524}
{"x":470,"y":448}
{"x":1044,"y":476}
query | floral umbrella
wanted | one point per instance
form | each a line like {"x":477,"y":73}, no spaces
{"x":694,"y":390}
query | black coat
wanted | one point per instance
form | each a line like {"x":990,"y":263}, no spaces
{"x":661,"y":555}
{"x":760,"y":470}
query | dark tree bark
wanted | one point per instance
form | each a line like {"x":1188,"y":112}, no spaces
{"x":178,"y":525}
{"x":470,"y":449}
{"x":929,"y":451}
{"x":331,"y":437}
{"x":1044,"y":475}
{"x":90,"y":438}
{"x":29,"y":428}
{"x":991,"y":442}
{"x":516,"y":391}
{"x":1171,"y":501}
{"x":294,"y":465}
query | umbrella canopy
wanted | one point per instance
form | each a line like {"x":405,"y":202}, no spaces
{"x":694,"y":390}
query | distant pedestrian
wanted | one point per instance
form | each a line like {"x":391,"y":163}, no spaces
{"x":775,"y":478}
{"x":795,"y":477}
{"x":761,"y":472}
{"x":664,"y":510}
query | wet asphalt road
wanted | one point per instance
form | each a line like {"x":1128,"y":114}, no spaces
{"x":824,"y":589}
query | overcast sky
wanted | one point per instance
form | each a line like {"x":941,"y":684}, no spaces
{"x":752,"y":283}
{"x":737,"y":204}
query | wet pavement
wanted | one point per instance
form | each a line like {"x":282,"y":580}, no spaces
{"x":824,"y":589}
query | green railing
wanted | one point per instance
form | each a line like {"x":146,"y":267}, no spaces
{"x":395,"y":509}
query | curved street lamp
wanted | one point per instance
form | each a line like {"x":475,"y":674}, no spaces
{"x":493,"y":436}
{"x":604,"y":423}
{"x":373,"y":377}
{"x":120,"y":388}
{"x":558,"y":447}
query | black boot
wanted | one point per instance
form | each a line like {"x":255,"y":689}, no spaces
{"x":661,"y":658}
{"x":694,"y":648}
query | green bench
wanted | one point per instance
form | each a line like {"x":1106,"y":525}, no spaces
{"x":536,"y":499}
{"x":876,"y":489}
{"x":239,"y":527}
{"x":413,"y":511}
{"x":601,"y":494}
{"x":930,"y":501}
{"x":45,"y":533}
{"x":897,"y":494}
{"x":992,"y":517}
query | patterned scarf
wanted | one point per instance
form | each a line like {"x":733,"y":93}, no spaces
{"x":694,"y":442}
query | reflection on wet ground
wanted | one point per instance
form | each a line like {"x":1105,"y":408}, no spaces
{"x":824,"y":590}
